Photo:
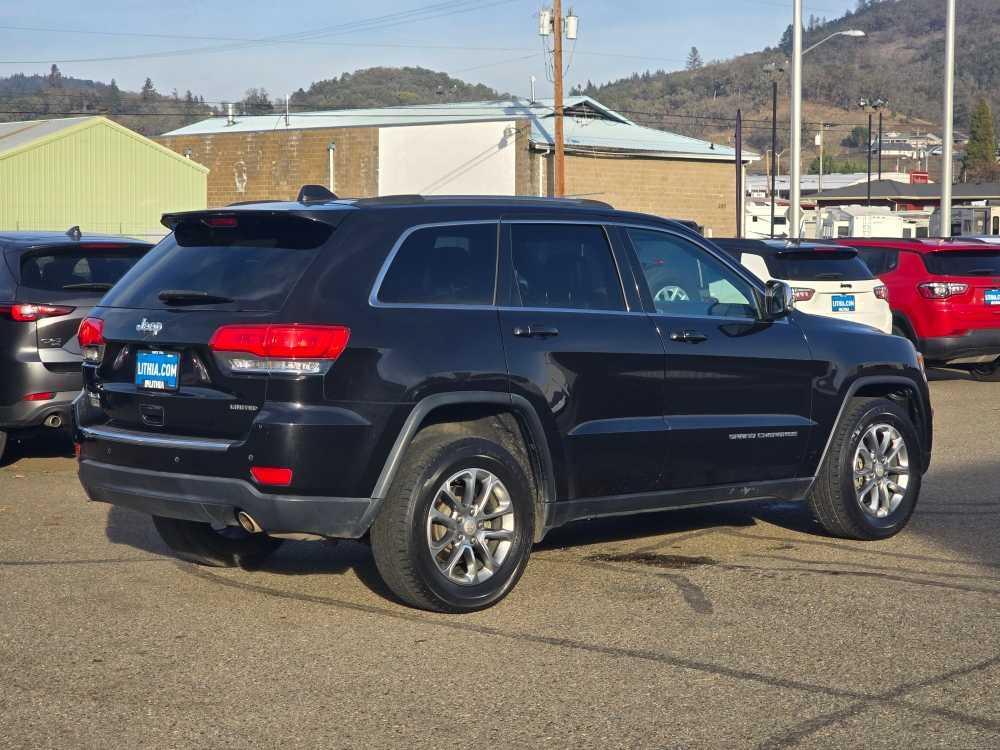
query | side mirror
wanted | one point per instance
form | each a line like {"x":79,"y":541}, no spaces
{"x":779,"y":300}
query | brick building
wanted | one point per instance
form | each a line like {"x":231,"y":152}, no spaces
{"x":486,"y":148}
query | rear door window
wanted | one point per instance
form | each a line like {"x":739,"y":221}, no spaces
{"x":78,"y":267}
{"x":444,"y":265}
{"x":255,"y":263}
{"x":566,"y":266}
{"x":879,"y":260}
{"x":818,"y":265}
{"x":964,"y":263}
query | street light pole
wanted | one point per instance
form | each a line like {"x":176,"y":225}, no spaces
{"x":880,"y":144}
{"x":869,"y":140}
{"x":949,"y":116}
{"x":796,"y":167}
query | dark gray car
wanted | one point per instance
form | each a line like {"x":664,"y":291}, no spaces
{"x":49,"y":281}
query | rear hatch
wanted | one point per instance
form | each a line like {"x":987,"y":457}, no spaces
{"x":59,"y":284}
{"x":833,"y":282}
{"x":159,"y":372}
{"x":975,"y":301}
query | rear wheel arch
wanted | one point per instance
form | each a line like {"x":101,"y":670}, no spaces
{"x":900,"y":321}
{"x":510,"y":420}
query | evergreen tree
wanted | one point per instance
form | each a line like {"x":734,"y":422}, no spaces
{"x":694,"y":59}
{"x":113,"y":98}
{"x":980,"y":161}
{"x":148,"y":90}
{"x":55,"y":76}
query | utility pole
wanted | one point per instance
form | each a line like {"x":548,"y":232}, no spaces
{"x":869,"y":140}
{"x":880,"y":144}
{"x":557,"y":72}
{"x":795,"y":194}
{"x":739,"y":173}
{"x":819,"y":142}
{"x":948,"y":146}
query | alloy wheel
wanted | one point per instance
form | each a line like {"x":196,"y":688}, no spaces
{"x":881,"y":470}
{"x":470,"y":526}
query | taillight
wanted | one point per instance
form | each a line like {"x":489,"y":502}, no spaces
{"x":28,"y":312}
{"x":91,"y":338}
{"x":288,"y":349}
{"x":942,"y":289}
{"x":802,"y":294}
{"x":43,"y":396}
{"x":882,"y":292}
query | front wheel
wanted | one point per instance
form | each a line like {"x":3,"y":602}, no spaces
{"x":868,"y":485}
{"x":224,"y":548}
{"x":455,"y":531}
{"x":987,"y":372}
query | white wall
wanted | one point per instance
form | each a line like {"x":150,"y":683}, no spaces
{"x":454,"y":159}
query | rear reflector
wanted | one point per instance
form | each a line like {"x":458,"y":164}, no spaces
{"x":292,"y":349}
{"x":272,"y":475}
{"x":43,"y":396}
{"x":28,"y":312}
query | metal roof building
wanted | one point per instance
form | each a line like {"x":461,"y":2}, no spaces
{"x":91,"y":172}
{"x":488,"y":148}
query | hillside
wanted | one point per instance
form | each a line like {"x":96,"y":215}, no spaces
{"x":150,"y":112}
{"x":901,"y":58}
{"x":387,"y":87}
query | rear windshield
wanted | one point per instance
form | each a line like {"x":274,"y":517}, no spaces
{"x":66,"y":268}
{"x":817,"y":265}
{"x":964,"y":263}
{"x":252,"y":266}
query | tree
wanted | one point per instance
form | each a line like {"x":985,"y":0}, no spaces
{"x":55,"y":76}
{"x":257,"y":102}
{"x":113,"y":98}
{"x":148,"y":92}
{"x":785,"y":45}
{"x":857,"y":139}
{"x":694,"y":59}
{"x":980,"y":161}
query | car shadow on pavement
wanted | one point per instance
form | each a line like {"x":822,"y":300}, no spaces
{"x":47,"y":444}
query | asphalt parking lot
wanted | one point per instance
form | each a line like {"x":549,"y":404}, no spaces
{"x":717,"y":628}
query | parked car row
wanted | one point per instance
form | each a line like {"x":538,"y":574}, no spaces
{"x":451,"y":378}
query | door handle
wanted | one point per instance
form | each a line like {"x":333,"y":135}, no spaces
{"x":688,"y":337}
{"x":536,"y":331}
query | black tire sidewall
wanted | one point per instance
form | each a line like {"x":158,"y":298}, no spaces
{"x":880,"y":528}
{"x":988,"y":372}
{"x":472,"y":453}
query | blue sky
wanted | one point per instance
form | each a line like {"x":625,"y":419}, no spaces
{"x":492,"y":41}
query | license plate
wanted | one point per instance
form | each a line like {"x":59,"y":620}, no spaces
{"x":157,"y":371}
{"x":992,"y":297}
{"x":843,"y":303}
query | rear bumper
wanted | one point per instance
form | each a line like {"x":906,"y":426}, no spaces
{"x":26,"y":414}
{"x":217,"y":500}
{"x":981,"y":343}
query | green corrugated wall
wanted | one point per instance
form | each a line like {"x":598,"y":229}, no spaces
{"x":101,"y":176}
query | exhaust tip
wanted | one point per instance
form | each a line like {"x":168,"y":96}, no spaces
{"x":54,"y":421}
{"x":248,"y":523}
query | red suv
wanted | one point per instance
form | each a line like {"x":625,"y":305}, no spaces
{"x":945,"y":297}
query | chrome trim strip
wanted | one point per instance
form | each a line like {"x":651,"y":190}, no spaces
{"x":133,"y":437}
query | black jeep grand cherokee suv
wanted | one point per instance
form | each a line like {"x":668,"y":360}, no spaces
{"x":456,"y":376}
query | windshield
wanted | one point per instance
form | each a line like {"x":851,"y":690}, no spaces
{"x":817,"y":265}
{"x":964,"y":263}
{"x":251,"y":266}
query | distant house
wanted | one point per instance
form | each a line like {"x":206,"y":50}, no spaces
{"x":493,"y":148}
{"x":91,"y":172}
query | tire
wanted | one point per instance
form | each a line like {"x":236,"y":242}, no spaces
{"x":834,"y":498}
{"x":200,"y":543}
{"x":402,"y":533}
{"x":987,"y":372}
